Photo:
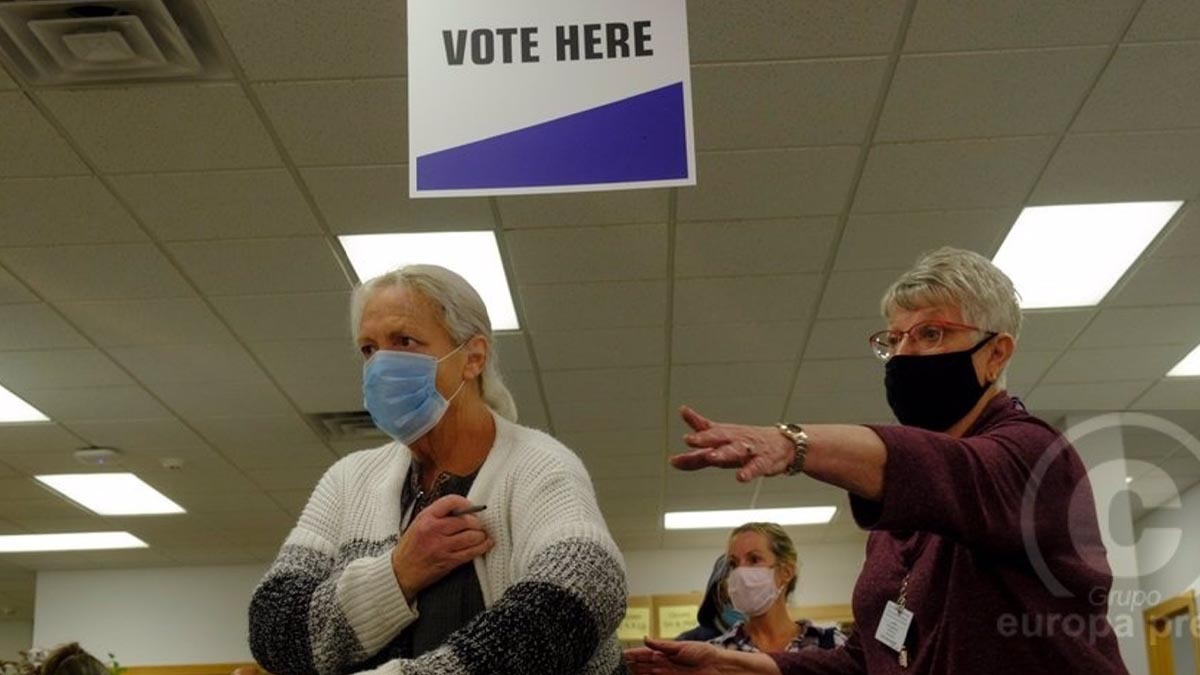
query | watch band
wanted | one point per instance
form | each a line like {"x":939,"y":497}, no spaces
{"x":796,"y":434}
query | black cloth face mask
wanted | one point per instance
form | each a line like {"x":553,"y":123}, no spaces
{"x":933,"y":391}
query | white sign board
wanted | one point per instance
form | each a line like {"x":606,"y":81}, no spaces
{"x":535,"y":96}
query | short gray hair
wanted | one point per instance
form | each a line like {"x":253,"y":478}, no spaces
{"x":464,"y":316}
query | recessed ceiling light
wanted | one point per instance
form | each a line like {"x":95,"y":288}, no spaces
{"x":74,"y":541}
{"x":706,"y":520}
{"x":13,"y":409}
{"x":1072,"y":255}
{"x":473,"y":255}
{"x":1188,"y":367}
{"x":111,"y":494}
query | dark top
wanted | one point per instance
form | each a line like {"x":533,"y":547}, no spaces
{"x":991,"y":591}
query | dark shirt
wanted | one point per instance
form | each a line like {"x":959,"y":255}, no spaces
{"x":951,"y":517}
{"x":809,"y":636}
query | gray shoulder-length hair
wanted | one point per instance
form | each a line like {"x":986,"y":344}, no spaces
{"x":463,"y":314}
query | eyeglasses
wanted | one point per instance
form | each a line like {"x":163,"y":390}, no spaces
{"x":926,"y":335}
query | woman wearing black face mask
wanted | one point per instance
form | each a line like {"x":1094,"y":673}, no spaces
{"x":983,"y":527}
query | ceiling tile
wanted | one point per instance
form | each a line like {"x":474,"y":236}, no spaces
{"x":313,"y":120}
{"x":12,"y":291}
{"x":856,"y":294}
{"x":298,"y":316}
{"x":36,"y":326}
{"x":289,"y":477}
{"x":1173,"y":393}
{"x":1049,"y":330}
{"x":602,"y":467}
{"x":374,"y":199}
{"x":753,"y":247}
{"x":95,"y":403}
{"x":511,"y":348}
{"x":218,"y":205}
{"x":313,"y":39}
{"x":994,"y":93}
{"x":1122,"y":167}
{"x":613,"y":442}
{"x":595,"y":305}
{"x":1094,"y":396}
{"x":233,"y":433}
{"x":155,"y":364}
{"x":745,"y":299}
{"x":311,"y":458}
{"x":581,"y":209}
{"x":194,"y":400}
{"x":953,"y":25}
{"x":1166,"y":20}
{"x":841,"y":338}
{"x":325,"y":395}
{"x":29,"y":146}
{"x":49,"y":369}
{"x":164,"y":128}
{"x":950,"y":175}
{"x":246,"y":267}
{"x":23,"y":488}
{"x":738,"y":409}
{"x":6,"y":81}
{"x":617,"y":253}
{"x":1027,"y":367}
{"x":1183,"y":239}
{"x":1142,"y":326}
{"x":290,"y":360}
{"x":1145,"y":87}
{"x":841,"y":407}
{"x":731,"y":381}
{"x":1161,"y":281}
{"x":733,"y":342}
{"x":122,"y":323}
{"x":1115,"y":364}
{"x":896,"y":240}
{"x":1146,"y":445}
{"x":140,"y":436}
{"x":62,"y":211}
{"x":526,"y":392}
{"x":769,"y":184}
{"x":583,"y":400}
{"x":102,"y":272}
{"x":859,"y":374}
{"x":826,"y":103}
{"x":600,"y":348}
{"x":212,"y":477}
{"x":45,"y":438}
{"x":736,"y":30}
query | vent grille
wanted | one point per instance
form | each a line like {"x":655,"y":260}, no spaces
{"x":71,"y":42}
{"x":354,"y":425}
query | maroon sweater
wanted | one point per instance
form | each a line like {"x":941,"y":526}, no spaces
{"x":951,"y":513}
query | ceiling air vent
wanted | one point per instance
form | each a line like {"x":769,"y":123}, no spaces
{"x":345,"y":426}
{"x":72,"y":42}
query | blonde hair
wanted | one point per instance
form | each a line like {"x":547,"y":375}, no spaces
{"x":464,"y":316}
{"x":781,"y":546}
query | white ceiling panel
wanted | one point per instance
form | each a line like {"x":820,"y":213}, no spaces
{"x":309,"y":359}
{"x":613,"y":442}
{"x":23,"y":488}
{"x":123,"y":323}
{"x":44,"y":437}
{"x":526,"y":393}
{"x":769,"y":184}
{"x":753,"y":247}
{"x":6,"y":82}
{"x":951,"y":175}
{"x":156,"y":364}
{"x":13,"y":291}
{"x":298,"y":316}
{"x":228,"y":433}
{"x":843,"y":407}
{"x":1141,"y":326}
{"x":731,"y":342}
{"x":857,"y":293}
{"x":1146,"y":87}
{"x":1027,"y":367}
{"x":1183,"y":239}
{"x":313,"y":396}
{"x":994,"y":93}
{"x":1161,"y":281}
{"x":617,"y":253}
{"x":826,"y":103}
{"x":289,"y":477}
{"x":218,"y":204}
{"x":252,"y":267}
{"x":745,"y":299}
{"x":95,"y":403}
{"x":599,"y":348}
{"x":36,"y":326}
{"x":164,"y":128}
{"x":62,"y":211}
{"x":1140,"y":443}
{"x":193,"y":400}
{"x":587,"y":400}
{"x":731,"y":381}
{"x":374,"y":199}
{"x":258,"y":461}
{"x":215,"y":477}
{"x":1097,"y":396}
{"x":29,"y":146}
{"x":141,"y":436}
{"x":340,"y":122}
{"x":584,"y":208}
{"x":511,"y":348}
{"x":1115,"y":364}
{"x":313,"y":39}
{"x":954,"y":25}
{"x":60,"y":368}
{"x":1146,"y":166}
{"x":102,"y":272}
{"x":602,"y":467}
{"x":896,"y":240}
{"x":1166,"y":20}
{"x":1049,"y":330}
{"x":1172,"y":394}
{"x":715,"y":482}
{"x":595,"y":305}
{"x":841,"y":338}
{"x":861,"y":374}
{"x":738,"y":30}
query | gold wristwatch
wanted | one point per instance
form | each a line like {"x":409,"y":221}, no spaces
{"x":795,"y":433}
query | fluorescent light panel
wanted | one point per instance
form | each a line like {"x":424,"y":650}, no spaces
{"x":705,"y":520}
{"x":473,"y":255}
{"x":74,"y":541}
{"x":1072,"y":255}
{"x":13,"y":409}
{"x":111,"y":494}
{"x":1188,"y":367}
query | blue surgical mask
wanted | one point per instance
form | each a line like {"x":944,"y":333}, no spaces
{"x":400,"y":392}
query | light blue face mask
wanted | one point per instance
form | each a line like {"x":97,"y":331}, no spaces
{"x":400,"y":392}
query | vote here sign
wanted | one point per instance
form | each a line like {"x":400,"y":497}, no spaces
{"x":535,"y":96}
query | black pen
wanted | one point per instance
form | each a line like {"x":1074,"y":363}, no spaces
{"x":468,"y":509}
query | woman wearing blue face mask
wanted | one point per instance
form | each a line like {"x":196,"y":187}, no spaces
{"x":984,"y":534}
{"x":393,"y":567}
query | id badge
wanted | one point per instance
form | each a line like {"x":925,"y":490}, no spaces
{"x":893,"y":626}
